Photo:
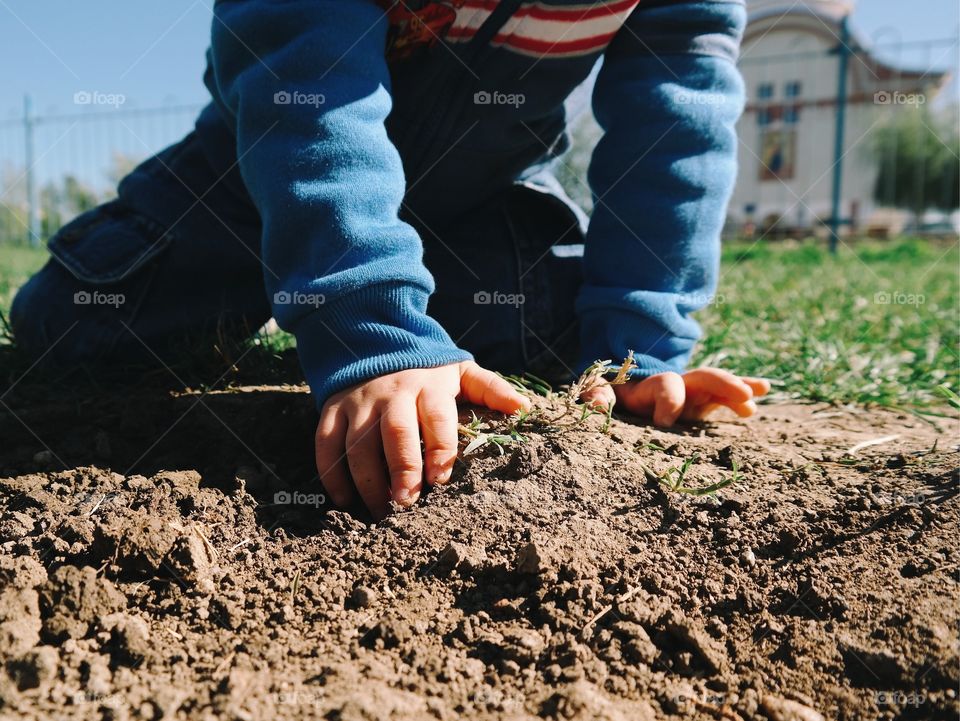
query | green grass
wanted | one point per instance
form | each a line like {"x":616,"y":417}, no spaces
{"x":878,"y":323}
{"x":813,"y":323}
{"x":17,"y":263}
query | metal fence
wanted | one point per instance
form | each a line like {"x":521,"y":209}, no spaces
{"x":812,"y":149}
{"x":53,"y":167}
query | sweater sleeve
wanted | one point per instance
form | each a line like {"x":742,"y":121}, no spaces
{"x":668,"y":97}
{"x":306,"y":87}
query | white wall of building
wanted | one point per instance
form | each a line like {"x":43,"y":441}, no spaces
{"x":791,"y":42}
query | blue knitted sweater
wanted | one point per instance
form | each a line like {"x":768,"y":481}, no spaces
{"x":307,"y":87}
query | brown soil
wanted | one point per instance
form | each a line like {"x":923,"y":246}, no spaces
{"x":146,"y":571}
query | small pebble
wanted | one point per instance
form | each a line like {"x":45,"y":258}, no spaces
{"x":748,"y":558}
{"x":364,"y":596}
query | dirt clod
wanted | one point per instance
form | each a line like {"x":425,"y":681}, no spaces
{"x":782,"y":709}
{"x":190,"y":562}
{"x":34,"y":670}
{"x":129,"y":638}
{"x":364,"y":596}
{"x":73,"y":599}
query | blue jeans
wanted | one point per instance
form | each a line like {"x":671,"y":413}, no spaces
{"x":172,"y":267}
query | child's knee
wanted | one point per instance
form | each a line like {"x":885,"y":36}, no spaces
{"x":56,"y":318}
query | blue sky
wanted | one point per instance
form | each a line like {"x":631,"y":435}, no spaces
{"x":152,"y":52}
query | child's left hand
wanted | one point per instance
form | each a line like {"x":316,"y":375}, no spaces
{"x":667,"y":397}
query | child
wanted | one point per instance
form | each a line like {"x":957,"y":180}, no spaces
{"x":378,"y":178}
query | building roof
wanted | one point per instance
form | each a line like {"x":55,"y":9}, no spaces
{"x":823,"y":18}
{"x":833,"y":10}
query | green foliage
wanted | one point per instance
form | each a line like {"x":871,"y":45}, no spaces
{"x":675,"y":479}
{"x":17,"y":264}
{"x":60,"y":202}
{"x":917,"y":155}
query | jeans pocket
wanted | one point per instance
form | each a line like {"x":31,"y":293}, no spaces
{"x":78,"y":306}
{"x":108,"y":244}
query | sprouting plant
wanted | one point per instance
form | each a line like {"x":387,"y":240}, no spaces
{"x":944,"y":391}
{"x":562,"y":409}
{"x":653,"y":446}
{"x":675,"y":479}
{"x":529,"y":382}
{"x":795,"y":474}
{"x":479,"y":438}
{"x":571,"y":411}
{"x":596,"y":376}
{"x":294,"y":587}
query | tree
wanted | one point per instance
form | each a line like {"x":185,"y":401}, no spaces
{"x":918,"y":156}
{"x":62,"y":201}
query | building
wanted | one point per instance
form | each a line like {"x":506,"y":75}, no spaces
{"x":790,"y":60}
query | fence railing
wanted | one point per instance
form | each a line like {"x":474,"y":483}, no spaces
{"x":54,"y":166}
{"x":813,"y":154}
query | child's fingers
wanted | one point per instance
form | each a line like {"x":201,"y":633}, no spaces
{"x":329,"y":447}
{"x":640,"y":398}
{"x":669,"y":397}
{"x":719,"y":383}
{"x":759,"y":386}
{"x":486,"y":388}
{"x":438,"y":424}
{"x":365,"y":460}
{"x":744,"y":410}
{"x":700,"y":411}
{"x":662,"y":396}
{"x":400,"y":433}
{"x":601,"y":397}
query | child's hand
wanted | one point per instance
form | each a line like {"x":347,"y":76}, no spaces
{"x":692,"y":396}
{"x":368,"y":438}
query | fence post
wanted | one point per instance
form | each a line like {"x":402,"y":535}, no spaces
{"x":844,"y":58}
{"x":33,"y":206}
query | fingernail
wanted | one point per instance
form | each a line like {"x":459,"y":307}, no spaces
{"x":406,"y":498}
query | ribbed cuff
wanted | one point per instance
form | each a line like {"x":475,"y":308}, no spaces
{"x":368,"y":333}
{"x":613,"y":333}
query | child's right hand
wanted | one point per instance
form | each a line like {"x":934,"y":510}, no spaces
{"x":368,"y":438}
